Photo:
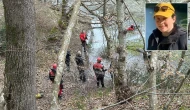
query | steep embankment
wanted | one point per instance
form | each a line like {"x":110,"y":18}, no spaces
{"x":49,"y":43}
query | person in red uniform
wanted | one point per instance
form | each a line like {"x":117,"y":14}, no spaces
{"x":52,"y":72}
{"x":83,"y":39}
{"x":99,"y":71}
{"x":131,"y":28}
{"x":60,"y":89}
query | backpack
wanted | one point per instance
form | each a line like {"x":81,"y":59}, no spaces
{"x":79,"y":61}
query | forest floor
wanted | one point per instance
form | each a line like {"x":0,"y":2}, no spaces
{"x":76,"y":95}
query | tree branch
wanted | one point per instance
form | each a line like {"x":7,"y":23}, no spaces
{"x":100,"y":5}
{"x":98,"y":16}
{"x":181,"y":61}
{"x":90,"y":10}
{"x":145,"y":91}
{"x":169,"y":93}
{"x":62,"y":54}
{"x":176,"y":91}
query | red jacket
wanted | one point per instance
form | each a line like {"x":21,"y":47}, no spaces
{"x":98,"y":66}
{"x":83,"y":36}
{"x":52,"y":72}
{"x":60,"y":88}
{"x":130,"y":29}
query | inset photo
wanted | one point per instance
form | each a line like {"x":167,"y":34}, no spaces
{"x":166,"y":26}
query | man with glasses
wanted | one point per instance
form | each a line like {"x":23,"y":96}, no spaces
{"x":168,"y":35}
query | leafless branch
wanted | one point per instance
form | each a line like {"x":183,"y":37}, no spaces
{"x":145,"y":91}
{"x":169,"y":93}
{"x":176,"y":91}
{"x":181,"y":60}
{"x":100,"y":6}
{"x":90,"y":10}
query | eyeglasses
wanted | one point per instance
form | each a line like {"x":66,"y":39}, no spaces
{"x":163,"y":8}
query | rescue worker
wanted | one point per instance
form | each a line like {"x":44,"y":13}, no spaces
{"x":80,"y":66}
{"x":99,"y":72}
{"x":60,"y":89}
{"x":67,"y":60}
{"x":131,"y":28}
{"x":83,"y":39}
{"x":52,"y":72}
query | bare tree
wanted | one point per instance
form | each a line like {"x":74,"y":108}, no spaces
{"x":110,"y":44}
{"x":63,"y":22}
{"x":104,"y":22}
{"x":122,"y":91}
{"x":188,"y":30}
{"x":152,"y":67}
{"x":62,"y":54}
{"x":152,"y":71}
{"x":19,"y":82}
{"x":121,"y":36}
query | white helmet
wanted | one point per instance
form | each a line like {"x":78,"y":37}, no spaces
{"x":79,"y":53}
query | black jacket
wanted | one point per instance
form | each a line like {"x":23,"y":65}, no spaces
{"x":177,"y":40}
{"x":67,"y":59}
{"x":79,"y":60}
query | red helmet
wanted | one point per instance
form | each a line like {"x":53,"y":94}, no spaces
{"x":54,"y":66}
{"x":99,"y":59}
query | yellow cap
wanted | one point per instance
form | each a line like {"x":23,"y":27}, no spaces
{"x":167,"y":13}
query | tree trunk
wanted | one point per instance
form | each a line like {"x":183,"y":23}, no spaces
{"x":104,"y":9}
{"x":180,"y":62}
{"x":121,"y":36}
{"x":104,"y":29}
{"x":188,"y":31}
{"x":62,"y":54}
{"x":20,"y":66}
{"x":152,"y":67}
{"x":110,"y":46}
{"x":152,"y":71}
{"x":63,"y":23}
{"x":57,"y":2}
{"x":2,"y":100}
{"x":122,"y":92}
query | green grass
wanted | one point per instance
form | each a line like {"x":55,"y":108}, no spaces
{"x":132,"y":46}
{"x":183,"y":108}
{"x":141,"y":97}
{"x":80,"y":103}
{"x":54,"y":30}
